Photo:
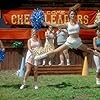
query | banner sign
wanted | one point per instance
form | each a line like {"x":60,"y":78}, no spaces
{"x":22,"y":17}
{"x":56,"y":16}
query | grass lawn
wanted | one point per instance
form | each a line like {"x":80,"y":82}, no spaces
{"x":59,"y":87}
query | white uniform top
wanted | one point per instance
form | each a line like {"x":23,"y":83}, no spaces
{"x":72,"y":29}
{"x":49,"y":42}
{"x":29,"y":55}
{"x":73,"y":42}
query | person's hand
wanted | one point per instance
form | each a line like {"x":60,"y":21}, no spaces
{"x":96,"y":53}
{"x":44,"y":24}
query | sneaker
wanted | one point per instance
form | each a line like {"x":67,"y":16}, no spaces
{"x":61,"y":64}
{"x":44,"y":63}
{"x":50,"y":63}
{"x":22,"y":86}
{"x":98,"y":81}
{"x":38,"y":57}
{"x":68,"y":64}
{"x":35,"y":87}
{"x":35,"y":63}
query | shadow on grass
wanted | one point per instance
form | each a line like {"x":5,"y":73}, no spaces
{"x":16,"y":86}
{"x":86,"y":87}
{"x":64,"y":85}
{"x":61,"y":85}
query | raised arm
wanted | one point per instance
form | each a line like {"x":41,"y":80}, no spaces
{"x":88,"y":26}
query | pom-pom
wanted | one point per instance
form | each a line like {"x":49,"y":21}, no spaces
{"x":2,"y":55}
{"x":37,"y":19}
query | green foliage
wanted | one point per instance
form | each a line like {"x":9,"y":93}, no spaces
{"x":53,"y":87}
{"x":17,"y":44}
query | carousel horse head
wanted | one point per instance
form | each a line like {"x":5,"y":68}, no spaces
{"x":97,"y":19}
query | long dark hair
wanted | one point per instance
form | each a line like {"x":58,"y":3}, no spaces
{"x":74,"y":8}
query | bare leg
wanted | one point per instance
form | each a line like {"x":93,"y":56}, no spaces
{"x":44,"y":62}
{"x":98,"y":78}
{"x":97,"y":63}
{"x":98,"y":74}
{"x":36,"y":73}
{"x":61,"y":58}
{"x":35,"y":77}
{"x":66,"y":54}
{"x":61,"y":48}
{"x":83,"y":47}
{"x":50,"y":53}
{"x":28,"y":69}
{"x":89,"y":50}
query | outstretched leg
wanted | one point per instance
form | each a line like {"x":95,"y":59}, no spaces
{"x":66,"y":54}
{"x":36,"y":74}
{"x":61,"y":56}
{"x":96,"y":56}
{"x":50,"y":53}
{"x":35,"y":77}
{"x":44,"y":62}
{"x":85,"y":48}
{"x":97,"y":63}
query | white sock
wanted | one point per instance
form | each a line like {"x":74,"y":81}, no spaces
{"x":50,"y":62}
{"x":35,"y":62}
{"x":98,"y":81}
{"x":68,"y":61}
{"x":24,"y":82}
{"x":62,"y":61}
{"x":43,"y":62}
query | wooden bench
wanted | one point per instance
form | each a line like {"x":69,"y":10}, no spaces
{"x":58,"y":70}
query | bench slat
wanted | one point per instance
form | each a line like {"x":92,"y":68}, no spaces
{"x":58,"y":70}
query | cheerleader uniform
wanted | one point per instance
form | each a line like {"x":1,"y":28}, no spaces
{"x":30,"y":55}
{"x":97,"y":63}
{"x":49,"y":43}
{"x":97,"y":58}
{"x":73,"y":43}
{"x":49,"y":46}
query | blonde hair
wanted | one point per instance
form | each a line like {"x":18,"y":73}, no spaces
{"x":33,"y":30}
